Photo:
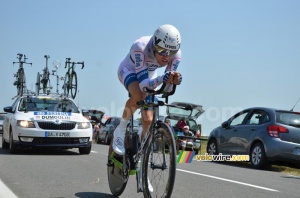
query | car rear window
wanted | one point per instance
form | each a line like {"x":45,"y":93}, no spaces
{"x":288,"y":118}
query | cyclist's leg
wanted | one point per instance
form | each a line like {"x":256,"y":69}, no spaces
{"x":129,"y":80}
{"x":159,"y":168}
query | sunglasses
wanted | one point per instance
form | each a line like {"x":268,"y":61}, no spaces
{"x":164,"y":52}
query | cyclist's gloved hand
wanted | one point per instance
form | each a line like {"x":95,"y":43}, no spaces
{"x":166,"y":77}
{"x":177,"y":79}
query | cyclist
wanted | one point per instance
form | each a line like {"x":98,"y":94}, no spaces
{"x":138,"y":70}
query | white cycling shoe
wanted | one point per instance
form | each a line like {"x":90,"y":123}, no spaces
{"x":118,"y":143}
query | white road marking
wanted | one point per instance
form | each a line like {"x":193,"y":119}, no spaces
{"x":94,"y":152}
{"x":5,"y":191}
{"x":228,"y":180}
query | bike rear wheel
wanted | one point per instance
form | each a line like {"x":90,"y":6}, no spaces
{"x":116,"y":180}
{"x":66,"y":85}
{"x":73,"y":84}
{"x":159,"y":166}
{"x":38,"y":83}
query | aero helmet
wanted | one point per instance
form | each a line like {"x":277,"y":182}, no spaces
{"x":166,"y":40}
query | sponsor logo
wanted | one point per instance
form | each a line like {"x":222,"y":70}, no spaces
{"x":52,"y":113}
{"x":156,"y":40}
{"x":57,"y":122}
{"x":170,"y":47}
{"x":138,"y":60}
{"x":56,"y":117}
{"x":175,"y":65}
{"x":172,"y":39}
{"x":119,"y":143}
{"x":144,"y":72}
{"x":152,"y":66}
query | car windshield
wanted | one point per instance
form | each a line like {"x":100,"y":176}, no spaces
{"x":47,"y":104}
{"x":288,"y":118}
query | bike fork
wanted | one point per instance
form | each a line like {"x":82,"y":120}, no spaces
{"x":139,"y":174}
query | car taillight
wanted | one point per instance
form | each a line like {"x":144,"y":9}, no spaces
{"x":198,"y":134}
{"x":274,"y":130}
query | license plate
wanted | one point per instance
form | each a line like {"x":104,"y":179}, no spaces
{"x":57,"y":134}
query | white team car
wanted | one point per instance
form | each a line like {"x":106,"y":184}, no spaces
{"x":45,"y":122}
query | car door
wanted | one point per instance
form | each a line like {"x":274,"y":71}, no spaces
{"x":248,"y":131}
{"x":105,"y":128}
{"x":8,"y":118}
{"x":229,"y":133}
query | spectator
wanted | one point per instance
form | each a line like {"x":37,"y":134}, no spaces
{"x":96,"y":131}
{"x":168,"y":122}
{"x":185,"y":141}
{"x":181,"y":123}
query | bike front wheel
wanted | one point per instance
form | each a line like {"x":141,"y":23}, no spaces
{"x":116,"y":180}
{"x":159,"y":166}
{"x":73,"y":84}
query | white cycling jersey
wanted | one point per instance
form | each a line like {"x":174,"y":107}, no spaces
{"x":140,"y":65}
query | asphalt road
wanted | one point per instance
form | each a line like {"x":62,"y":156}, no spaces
{"x":65,"y":173}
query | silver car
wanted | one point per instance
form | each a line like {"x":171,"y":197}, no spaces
{"x":2,"y":115}
{"x":265,"y":134}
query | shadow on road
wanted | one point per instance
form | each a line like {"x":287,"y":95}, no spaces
{"x":93,"y":194}
{"x":41,"y":152}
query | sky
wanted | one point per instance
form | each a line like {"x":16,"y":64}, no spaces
{"x":236,"y":54}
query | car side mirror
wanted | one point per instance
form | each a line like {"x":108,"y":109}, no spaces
{"x":225,"y":124}
{"x":8,"y":109}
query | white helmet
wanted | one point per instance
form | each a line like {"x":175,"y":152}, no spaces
{"x":166,"y":40}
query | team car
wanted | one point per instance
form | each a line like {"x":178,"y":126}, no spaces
{"x":45,"y":121}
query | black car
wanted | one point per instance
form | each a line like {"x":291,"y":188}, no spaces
{"x":107,"y":130}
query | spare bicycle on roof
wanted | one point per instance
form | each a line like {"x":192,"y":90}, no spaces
{"x":20,"y":81}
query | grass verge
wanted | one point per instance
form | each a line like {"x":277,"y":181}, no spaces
{"x":286,"y":168}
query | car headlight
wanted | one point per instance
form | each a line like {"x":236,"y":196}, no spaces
{"x":84,"y":125}
{"x":25,"y":124}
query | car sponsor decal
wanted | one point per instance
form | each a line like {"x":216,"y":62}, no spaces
{"x":52,"y":115}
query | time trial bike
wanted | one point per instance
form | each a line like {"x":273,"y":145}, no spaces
{"x":20,"y":81}
{"x":70,"y":82}
{"x":153,"y":161}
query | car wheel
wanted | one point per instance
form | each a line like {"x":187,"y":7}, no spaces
{"x":12,"y":145}
{"x":196,"y":151}
{"x":258,"y":157}
{"x":98,"y":139}
{"x":107,"y":141}
{"x":85,"y":150}
{"x":212,"y":148}
{"x":5,"y":145}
